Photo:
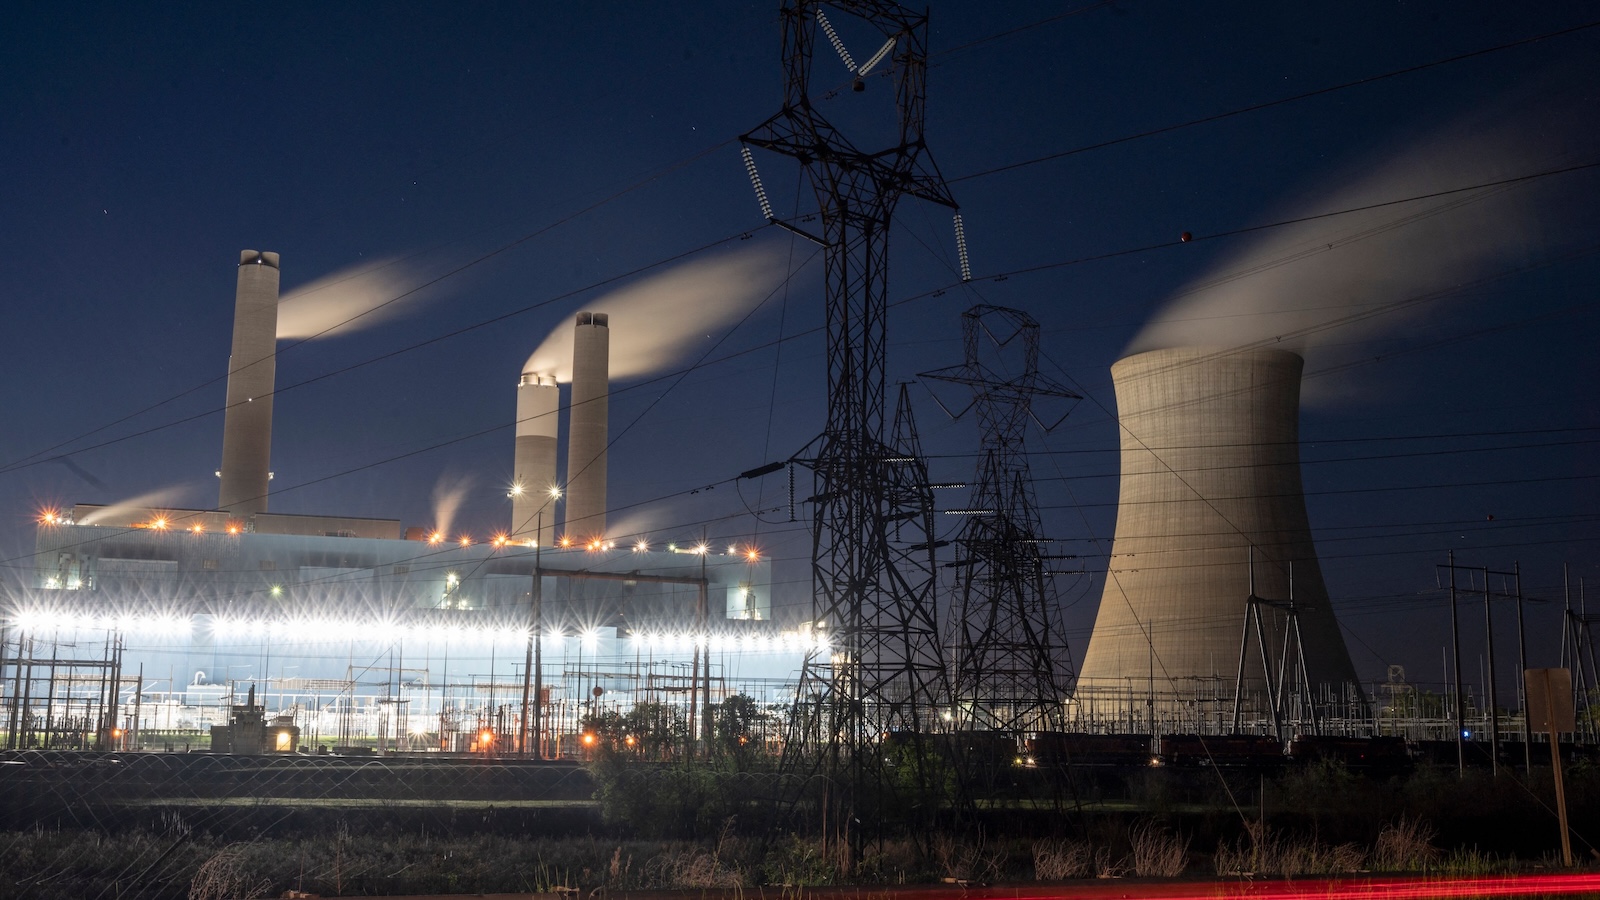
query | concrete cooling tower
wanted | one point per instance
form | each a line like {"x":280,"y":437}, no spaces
{"x":586,"y":430}
{"x":1210,"y":480}
{"x":247,"y":423}
{"x":533,"y":507}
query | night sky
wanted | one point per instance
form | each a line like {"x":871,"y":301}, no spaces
{"x":503,"y":165}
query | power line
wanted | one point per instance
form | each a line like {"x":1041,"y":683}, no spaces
{"x":1278,"y":102}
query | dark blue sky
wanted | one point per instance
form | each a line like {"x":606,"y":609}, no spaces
{"x":144,"y":148}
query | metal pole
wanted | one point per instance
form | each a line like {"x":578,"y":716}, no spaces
{"x":16,"y":695}
{"x":138,"y":699}
{"x":1522,"y":666}
{"x":1494,"y":704}
{"x":1455,"y":638}
{"x":706,"y":637}
{"x":527,"y":657}
{"x":538,"y":641}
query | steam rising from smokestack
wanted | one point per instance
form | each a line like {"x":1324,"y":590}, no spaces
{"x":448,"y":492}
{"x":658,"y":319}
{"x":1294,"y":282}
{"x":348,"y":300}
{"x":165,"y":498}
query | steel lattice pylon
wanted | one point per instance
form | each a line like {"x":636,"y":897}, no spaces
{"x":872,"y":557}
{"x":1012,"y":667}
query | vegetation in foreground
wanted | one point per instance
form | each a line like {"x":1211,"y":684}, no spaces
{"x":665,"y":824}
{"x":177,"y":863}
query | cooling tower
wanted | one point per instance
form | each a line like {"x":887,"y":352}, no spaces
{"x":1210,"y":469}
{"x":533,"y":507}
{"x":586,"y":430}
{"x":247,"y":423}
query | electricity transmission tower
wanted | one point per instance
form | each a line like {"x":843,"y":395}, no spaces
{"x":1012,"y":665}
{"x":882,"y":677}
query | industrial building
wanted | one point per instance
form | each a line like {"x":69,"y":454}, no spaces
{"x":356,"y":630}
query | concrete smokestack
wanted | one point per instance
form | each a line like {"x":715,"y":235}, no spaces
{"x":1210,"y":468}
{"x":247,"y":423}
{"x":533,"y":508}
{"x":586,"y":438}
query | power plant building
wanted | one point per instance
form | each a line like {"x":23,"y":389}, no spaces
{"x":1211,"y":526}
{"x":340,"y":623}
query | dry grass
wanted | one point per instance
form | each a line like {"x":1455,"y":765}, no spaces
{"x":1060,"y":860}
{"x":1405,"y":846}
{"x":226,"y":876}
{"x":695,"y":867}
{"x":961,"y":861}
{"x":1157,"y":852}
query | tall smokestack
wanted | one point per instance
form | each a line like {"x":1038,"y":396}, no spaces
{"x":533,"y":508}
{"x":586,"y":439}
{"x":1210,"y":470}
{"x":247,"y":423}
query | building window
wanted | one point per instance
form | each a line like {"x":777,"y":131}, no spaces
{"x":269,"y":565}
{"x":209,"y":565}
{"x":402,"y":570}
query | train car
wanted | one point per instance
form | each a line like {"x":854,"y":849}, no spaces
{"x":1055,"y":748}
{"x":1219,"y":750}
{"x":1365,"y":754}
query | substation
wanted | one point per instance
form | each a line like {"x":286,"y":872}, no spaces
{"x":239,"y":630}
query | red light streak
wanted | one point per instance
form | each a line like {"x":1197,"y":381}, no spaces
{"x":1399,"y":888}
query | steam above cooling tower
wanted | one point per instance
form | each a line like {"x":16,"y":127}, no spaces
{"x":586,"y":432}
{"x":533,"y":505}
{"x":1210,"y":470}
{"x":247,"y":423}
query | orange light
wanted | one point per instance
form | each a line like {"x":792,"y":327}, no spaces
{"x":466,"y":541}
{"x":485,"y":737}
{"x":233,"y":529}
{"x":500,"y":540}
{"x":49,"y":517}
{"x":197,"y":529}
{"x":436,"y":538}
{"x":594,"y":545}
{"x":159,"y":524}
{"x":566,"y":541}
{"x":630,"y":740}
{"x":588,"y":739}
{"x":116,"y":732}
{"x":752,"y":554}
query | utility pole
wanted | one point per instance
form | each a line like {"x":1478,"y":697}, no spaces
{"x":872,"y":550}
{"x":1455,"y":660}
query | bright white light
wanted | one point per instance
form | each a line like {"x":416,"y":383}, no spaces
{"x":591,"y":639}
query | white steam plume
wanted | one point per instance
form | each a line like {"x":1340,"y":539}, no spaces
{"x":164,"y":498}
{"x":348,"y":300}
{"x":1333,"y":281}
{"x":658,"y":319}
{"x":448,"y":492}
